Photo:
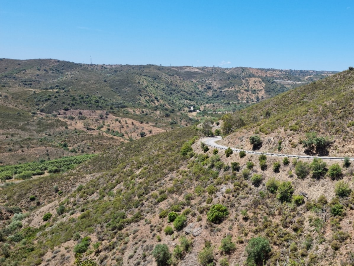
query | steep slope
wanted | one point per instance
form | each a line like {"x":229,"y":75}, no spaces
{"x":324,"y":107}
{"x":117,"y":209}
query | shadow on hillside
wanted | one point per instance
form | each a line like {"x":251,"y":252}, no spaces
{"x":321,"y":152}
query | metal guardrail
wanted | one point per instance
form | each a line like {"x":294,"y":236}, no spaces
{"x":210,"y":141}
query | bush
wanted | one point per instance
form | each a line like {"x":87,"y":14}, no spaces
{"x":47,"y":216}
{"x":25,"y":175}
{"x":286,"y":161}
{"x":256,"y":180}
{"x":83,"y":245}
{"x":211,"y":190}
{"x":215,"y":151}
{"x":263,"y":165}
{"x":262,"y":157}
{"x":224,"y":262}
{"x":314,"y":143}
{"x":272,"y":185}
{"x":186,"y":244}
{"x":246,"y":173}
{"x":235,"y":166}
{"x":60,"y":210}
{"x":249,"y":165}
{"x":318,"y":168}
{"x":172,"y":216}
{"x":204,"y":147}
{"x":258,"y":250}
{"x":342,"y":189}
{"x":285,"y":192}
{"x":217,"y":213}
{"x":335,"y":171}
{"x":161,"y":254}
{"x":302,"y":169}
{"x":186,"y":148}
{"x":298,"y":200}
{"x":168,"y":230}
{"x":255,"y":141}
{"x":242,"y":154}
{"x":206,"y":256}
{"x":227,"y":246}
{"x":163,"y":214}
{"x":337,"y":210}
{"x":228,"y":152}
{"x":276,"y":167}
{"x":32,"y":198}
{"x":346,"y":162}
{"x":180,"y":222}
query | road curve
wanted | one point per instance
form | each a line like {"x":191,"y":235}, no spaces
{"x":210,"y":141}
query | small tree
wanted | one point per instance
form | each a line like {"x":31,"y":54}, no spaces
{"x":161,"y":254}
{"x":337,"y":210}
{"x":334,"y":171}
{"x":258,"y":250}
{"x":228,"y":152}
{"x":302,"y":169}
{"x":276,"y":167}
{"x":286,"y":161}
{"x":217,"y":213}
{"x":318,"y":168}
{"x":47,"y":216}
{"x":342,"y":189}
{"x":285,"y":192}
{"x":235,"y":166}
{"x":256,"y":141}
{"x":346,"y":163}
{"x":227,"y":246}
{"x":249,"y":165}
{"x":242,"y":154}
{"x":256,"y":180}
{"x":172,"y":216}
{"x":180,"y":222}
{"x":272,"y":185}
{"x":263,"y":165}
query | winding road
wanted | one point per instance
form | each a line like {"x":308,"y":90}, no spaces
{"x":210,"y":141}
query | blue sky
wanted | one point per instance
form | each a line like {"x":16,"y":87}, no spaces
{"x":286,"y":34}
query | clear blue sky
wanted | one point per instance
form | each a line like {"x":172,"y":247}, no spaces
{"x":287,"y":34}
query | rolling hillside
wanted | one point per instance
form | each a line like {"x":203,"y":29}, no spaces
{"x":167,"y":199}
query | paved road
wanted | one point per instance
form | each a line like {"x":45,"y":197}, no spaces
{"x":211,"y":142}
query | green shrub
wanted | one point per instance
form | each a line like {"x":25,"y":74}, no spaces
{"x":32,"y":198}
{"x":161,"y":254}
{"x":235,"y":166}
{"x":346,"y":162}
{"x":83,"y":245}
{"x":228,"y":152}
{"x":337,"y":210}
{"x":60,"y":210}
{"x":180,"y":222}
{"x":262,"y":157}
{"x":186,"y":244}
{"x":318,"y":168}
{"x":215,"y":151}
{"x":168,"y":230}
{"x":342,"y":189}
{"x":256,"y":180}
{"x":47,"y":216}
{"x":249,"y":165}
{"x":204,"y":147}
{"x":285,"y":192}
{"x":224,"y":262}
{"x":206,"y":256}
{"x":25,"y":175}
{"x":276,"y":167}
{"x":211,"y":190}
{"x":172,"y":216}
{"x":246,"y":173}
{"x":272,"y":185}
{"x":186,"y":148}
{"x":263,"y":165}
{"x":286,"y":161}
{"x":256,"y":142}
{"x":163,"y":214}
{"x":298,"y":200}
{"x":217,"y":213}
{"x":227,"y":246}
{"x":242,"y":154}
{"x":258,"y":250}
{"x":335,"y":171}
{"x":302,"y":169}
{"x":178,"y":252}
